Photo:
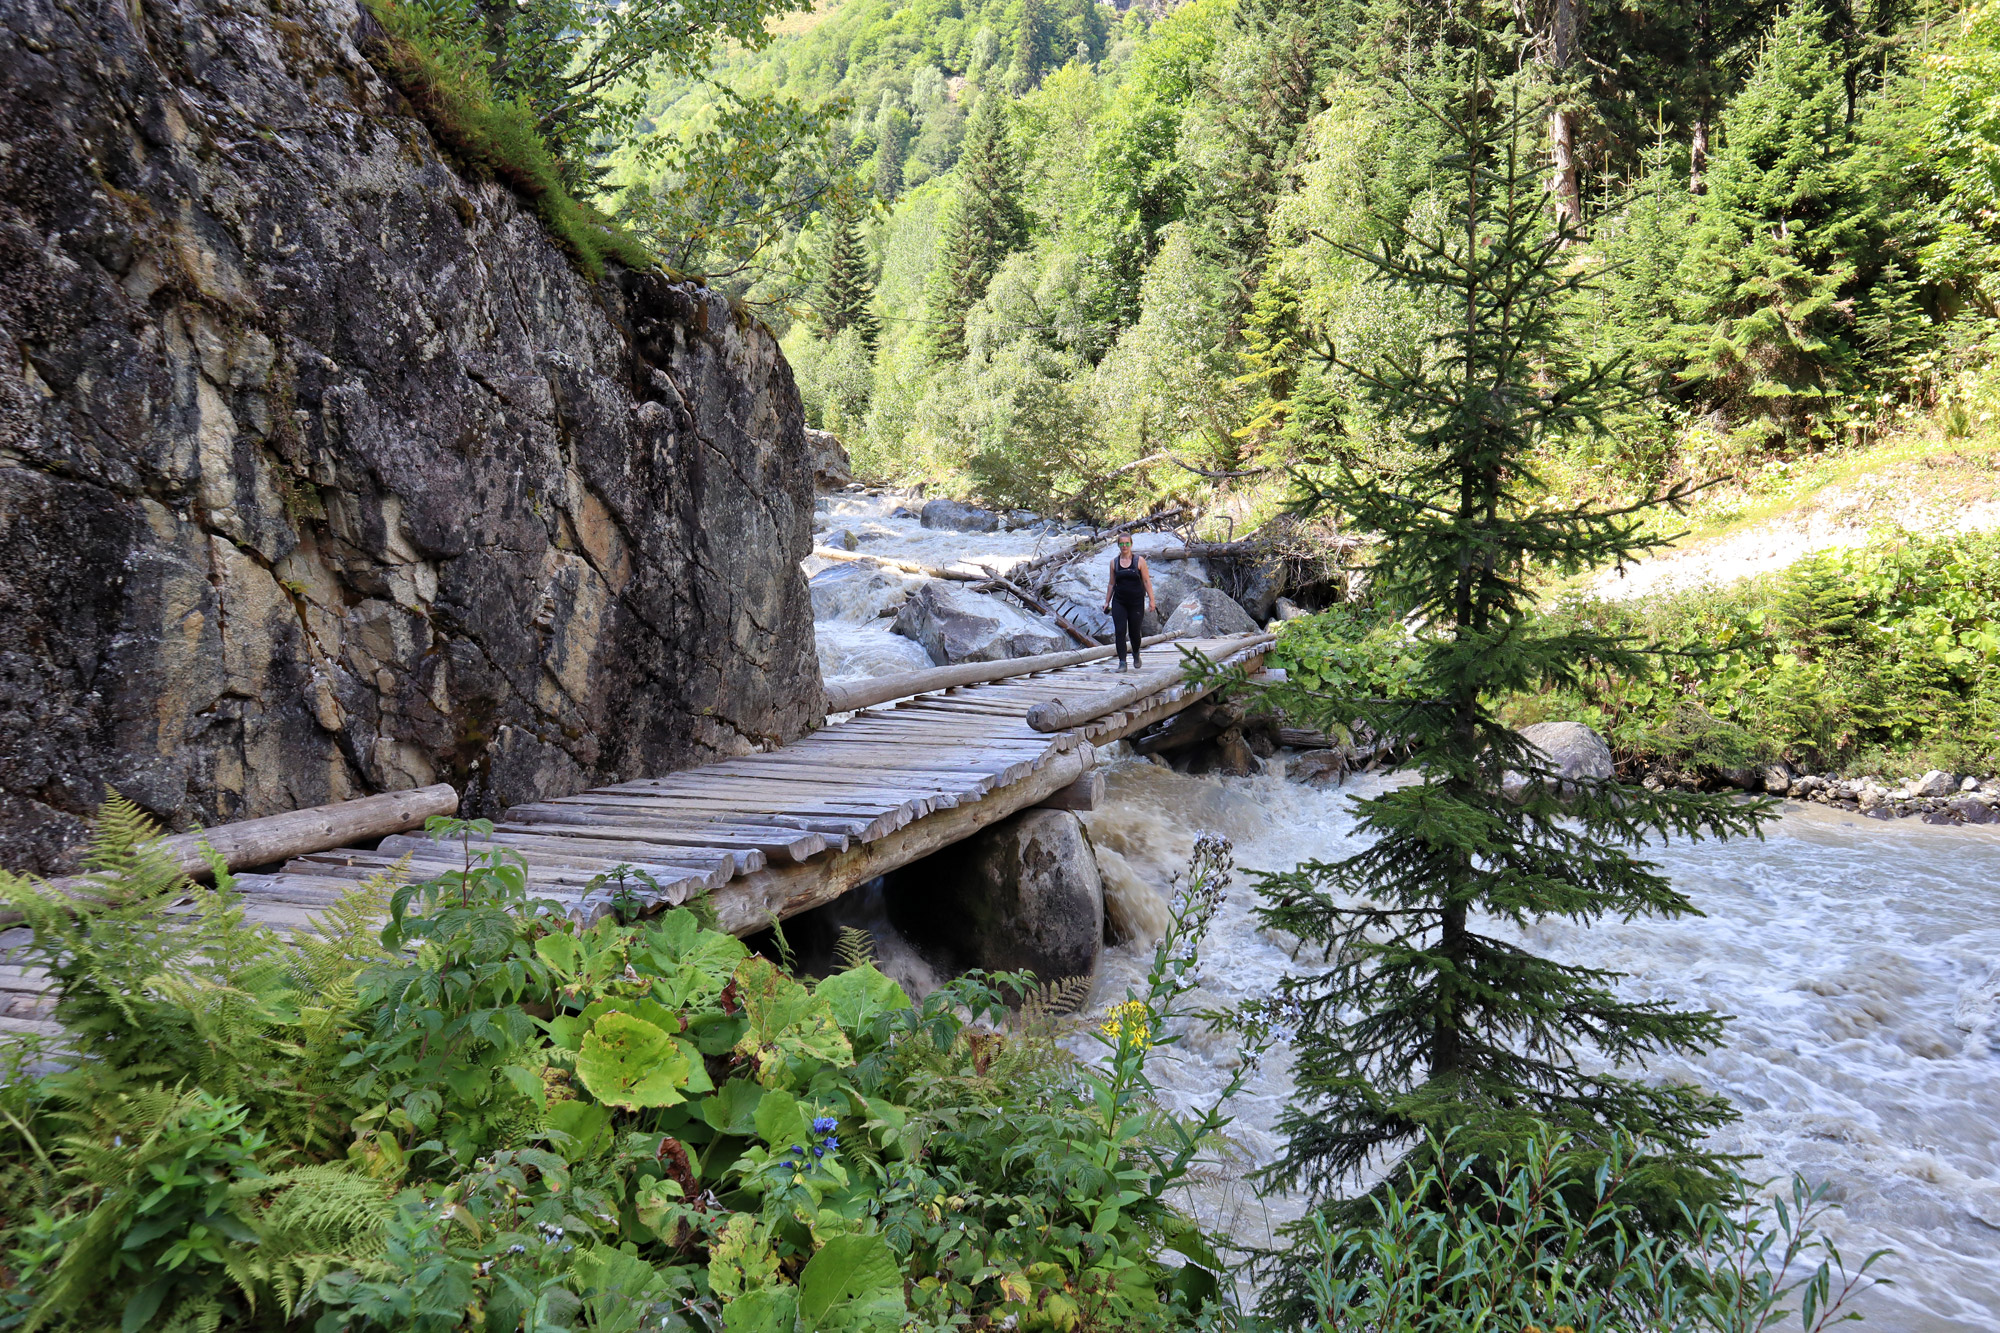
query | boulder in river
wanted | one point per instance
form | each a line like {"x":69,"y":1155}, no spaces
{"x":857,"y":592}
{"x":831,"y":469}
{"x":1209,"y":613}
{"x":956,"y":516}
{"x":1572,"y":749}
{"x":1023,"y":894}
{"x":1079,"y":589}
{"x":1778,"y":778}
{"x":955,"y":624}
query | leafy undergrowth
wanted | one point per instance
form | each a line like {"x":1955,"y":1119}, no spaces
{"x":1881,"y":658}
{"x":444,"y":78}
{"x":454,"y":1107}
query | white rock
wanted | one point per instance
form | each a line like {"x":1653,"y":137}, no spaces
{"x":1933,"y":783}
{"x":1572,"y":749}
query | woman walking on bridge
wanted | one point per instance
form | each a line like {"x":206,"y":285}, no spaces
{"x":1126,"y":597}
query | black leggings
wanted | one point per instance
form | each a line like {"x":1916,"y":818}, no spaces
{"x":1128,"y":625}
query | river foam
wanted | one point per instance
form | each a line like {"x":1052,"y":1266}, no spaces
{"x":1856,"y":958}
{"x":1860,"y":960}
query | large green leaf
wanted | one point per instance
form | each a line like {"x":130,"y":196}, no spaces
{"x":628,"y":1062}
{"x":853,"y":1282}
{"x":858,"y":995}
{"x":780,"y":1121}
{"x":733,"y":1108}
{"x":787,"y":1025}
{"x":765,"y":1310}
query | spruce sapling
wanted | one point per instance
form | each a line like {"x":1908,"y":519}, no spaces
{"x":1429,"y":1022}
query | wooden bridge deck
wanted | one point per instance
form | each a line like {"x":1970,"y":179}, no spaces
{"x":762,"y":832}
{"x":767,"y":834}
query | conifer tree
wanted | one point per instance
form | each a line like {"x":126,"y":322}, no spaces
{"x":987,"y":223}
{"x":1773,"y":274}
{"x":846,"y":290}
{"x":1429,"y":1019}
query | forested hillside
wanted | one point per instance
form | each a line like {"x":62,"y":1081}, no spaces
{"x":1064,"y":255}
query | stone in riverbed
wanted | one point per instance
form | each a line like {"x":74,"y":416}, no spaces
{"x":954,"y":516}
{"x":1778,"y":778}
{"x":856,"y":592}
{"x":1972,"y":810}
{"x":1208,"y":613}
{"x":957,"y":625}
{"x":1024,"y":894}
{"x":831,"y":470}
{"x":1572,"y":749}
{"x":1933,"y":783}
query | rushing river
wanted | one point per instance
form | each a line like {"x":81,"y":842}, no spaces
{"x":1860,"y":960}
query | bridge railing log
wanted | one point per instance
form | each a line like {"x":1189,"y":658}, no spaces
{"x":272,"y":838}
{"x":852,"y":695}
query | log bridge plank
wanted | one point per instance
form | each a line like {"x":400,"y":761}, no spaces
{"x":772,"y":834}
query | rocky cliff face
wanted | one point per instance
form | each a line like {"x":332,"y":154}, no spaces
{"x":322,"y":471}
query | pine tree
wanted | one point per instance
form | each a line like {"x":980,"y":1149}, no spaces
{"x":1429,"y":1021}
{"x":987,"y":223}
{"x":1032,"y":43}
{"x":845,"y":289}
{"x":1773,"y":273}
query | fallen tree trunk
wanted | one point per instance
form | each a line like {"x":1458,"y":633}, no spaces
{"x":907,"y":566}
{"x":1034,"y":603}
{"x":865,"y":693}
{"x":256,"y":842}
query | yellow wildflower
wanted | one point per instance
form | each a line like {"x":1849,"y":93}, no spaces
{"x":1128,"y":1022}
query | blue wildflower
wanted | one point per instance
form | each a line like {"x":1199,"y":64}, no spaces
{"x":831,"y":1143}
{"x":798,"y":1150}
{"x":824,"y":1124}
{"x":818,"y":1151}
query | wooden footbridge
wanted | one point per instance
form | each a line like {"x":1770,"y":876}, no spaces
{"x":913,"y":763}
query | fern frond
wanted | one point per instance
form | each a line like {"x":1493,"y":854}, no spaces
{"x":856,"y":948}
{"x":125,"y":863}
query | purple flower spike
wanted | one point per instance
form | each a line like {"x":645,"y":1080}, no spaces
{"x":824,"y":1124}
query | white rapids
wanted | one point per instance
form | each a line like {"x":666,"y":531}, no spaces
{"x":1860,"y":960}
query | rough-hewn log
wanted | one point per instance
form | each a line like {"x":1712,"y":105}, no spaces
{"x":1086,"y":793}
{"x":256,"y":842}
{"x":847,"y":697}
{"x":748,"y":903}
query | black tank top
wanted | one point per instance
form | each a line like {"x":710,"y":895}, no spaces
{"x":1127,"y":583}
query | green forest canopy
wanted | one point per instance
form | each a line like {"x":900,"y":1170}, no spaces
{"x":1795,"y":204}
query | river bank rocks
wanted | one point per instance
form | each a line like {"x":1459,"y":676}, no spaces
{"x":830,"y":466}
{"x":955,"y":624}
{"x":1936,"y":797}
{"x":324,"y":471}
{"x":1574,"y":751}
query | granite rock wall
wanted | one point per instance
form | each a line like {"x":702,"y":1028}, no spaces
{"x":323,"y":471}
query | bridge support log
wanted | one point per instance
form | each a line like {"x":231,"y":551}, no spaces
{"x":748,"y":903}
{"x":1086,"y":793}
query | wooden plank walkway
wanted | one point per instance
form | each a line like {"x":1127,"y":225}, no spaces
{"x":767,"y":834}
